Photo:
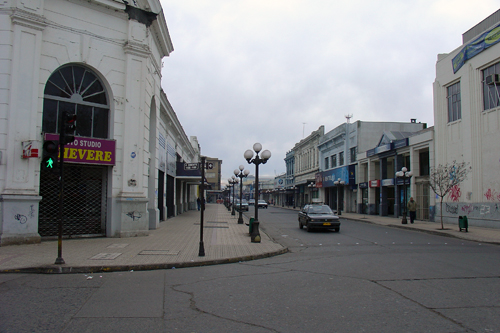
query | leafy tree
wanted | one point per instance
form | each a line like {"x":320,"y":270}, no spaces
{"x":444,"y":177}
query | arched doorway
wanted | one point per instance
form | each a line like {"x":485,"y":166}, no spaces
{"x":78,"y":90}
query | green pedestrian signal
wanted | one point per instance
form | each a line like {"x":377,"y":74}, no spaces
{"x":49,"y":163}
{"x":50,"y":152}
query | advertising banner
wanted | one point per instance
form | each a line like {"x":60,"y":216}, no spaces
{"x":485,"y":40}
{"x":87,"y":150}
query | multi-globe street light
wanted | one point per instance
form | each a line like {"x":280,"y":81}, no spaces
{"x":251,"y":159}
{"x":339,"y":183}
{"x":311,"y":186}
{"x":233,"y":181}
{"x":404,"y":174}
{"x":240,"y":173}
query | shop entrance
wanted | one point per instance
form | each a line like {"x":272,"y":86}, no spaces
{"x":84,"y":212}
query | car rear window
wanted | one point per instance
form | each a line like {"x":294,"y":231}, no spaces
{"x":320,"y":210}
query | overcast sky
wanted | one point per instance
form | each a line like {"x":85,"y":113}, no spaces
{"x":273,"y":71}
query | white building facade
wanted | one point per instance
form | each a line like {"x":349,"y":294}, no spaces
{"x":467,"y":122}
{"x":306,"y":165}
{"x":341,"y":186}
{"x":100,"y":60}
{"x":380,"y":192}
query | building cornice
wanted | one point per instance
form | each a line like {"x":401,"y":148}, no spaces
{"x":29,"y":20}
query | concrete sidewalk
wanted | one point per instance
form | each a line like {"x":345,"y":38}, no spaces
{"x":174,"y":244}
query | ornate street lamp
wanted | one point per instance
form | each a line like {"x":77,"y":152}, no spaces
{"x":251,"y":159}
{"x":339,"y":183}
{"x":233,"y":181}
{"x":241,"y":174}
{"x":404,"y":174}
{"x":228,"y":201}
{"x":311,"y":186}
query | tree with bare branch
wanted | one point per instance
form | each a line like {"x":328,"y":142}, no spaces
{"x":444,"y":178}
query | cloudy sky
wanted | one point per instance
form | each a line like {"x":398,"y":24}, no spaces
{"x":273,"y":71}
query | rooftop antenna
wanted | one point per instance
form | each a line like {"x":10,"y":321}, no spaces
{"x":303,"y":129}
{"x":348,"y":117}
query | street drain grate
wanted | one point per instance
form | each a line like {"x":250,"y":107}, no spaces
{"x":159,"y":252}
{"x":105,"y":256}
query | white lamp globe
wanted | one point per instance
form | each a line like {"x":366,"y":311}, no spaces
{"x":266,"y":154}
{"x":248,"y":154}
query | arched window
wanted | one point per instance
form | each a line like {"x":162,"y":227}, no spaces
{"x":76,"y":89}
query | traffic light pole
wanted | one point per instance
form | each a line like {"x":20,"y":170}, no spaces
{"x":67,"y":123}
{"x":60,"y":260}
{"x":62,"y":130}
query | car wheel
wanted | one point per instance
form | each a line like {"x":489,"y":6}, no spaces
{"x":300,"y":225}
{"x":337,"y":229}
{"x":309,"y":229}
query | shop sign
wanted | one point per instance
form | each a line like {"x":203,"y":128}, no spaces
{"x":88,"y":150}
{"x":374,"y":183}
{"x":387,"y":182}
{"x":363,"y":185}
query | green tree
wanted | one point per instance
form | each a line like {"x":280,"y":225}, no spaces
{"x":444,"y":177}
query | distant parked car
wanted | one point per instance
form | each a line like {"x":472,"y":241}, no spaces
{"x":262,"y":204}
{"x":318,"y":216}
{"x":244,"y":205}
{"x":251,"y":202}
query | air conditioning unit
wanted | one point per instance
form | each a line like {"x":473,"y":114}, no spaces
{"x":493,"y":79}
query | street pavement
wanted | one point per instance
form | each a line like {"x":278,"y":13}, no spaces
{"x":176,"y":244}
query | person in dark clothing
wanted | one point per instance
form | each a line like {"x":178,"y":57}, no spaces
{"x":412,"y":208}
{"x":198,"y":201}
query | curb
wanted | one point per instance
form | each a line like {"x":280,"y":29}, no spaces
{"x":55,"y":269}
{"x":432,"y":232}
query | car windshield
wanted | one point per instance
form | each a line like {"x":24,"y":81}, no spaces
{"x":319,"y":210}
{"x":262,"y":201}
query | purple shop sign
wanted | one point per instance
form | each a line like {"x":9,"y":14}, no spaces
{"x":87,"y":150}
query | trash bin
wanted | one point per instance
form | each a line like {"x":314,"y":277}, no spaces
{"x":463,"y":223}
{"x":250,"y":225}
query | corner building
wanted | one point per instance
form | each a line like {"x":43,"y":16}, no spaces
{"x":100,"y":60}
{"x":467,"y":123}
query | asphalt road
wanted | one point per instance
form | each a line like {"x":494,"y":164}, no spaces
{"x":367,"y":278}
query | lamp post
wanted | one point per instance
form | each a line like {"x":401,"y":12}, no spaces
{"x":404,"y":174}
{"x":338,"y":183}
{"x":228,"y":200}
{"x":233,"y":181}
{"x":311,"y":187}
{"x":241,"y":174}
{"x":293,"y":189}
{"x":251,"y":159}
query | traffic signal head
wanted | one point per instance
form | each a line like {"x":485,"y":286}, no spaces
{"x":50,"y":154}
{"x":68,"y":127}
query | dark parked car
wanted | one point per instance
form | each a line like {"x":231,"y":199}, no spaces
{"x":318,"y":216}
{"x":262,"y":204}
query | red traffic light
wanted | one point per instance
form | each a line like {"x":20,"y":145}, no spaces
{"x":50,"y":147}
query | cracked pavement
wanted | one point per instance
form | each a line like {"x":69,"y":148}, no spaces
{"x":367,"y":278}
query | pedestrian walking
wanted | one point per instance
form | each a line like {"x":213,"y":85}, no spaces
{"x":198,"y":201}
{"x":412,"y":208}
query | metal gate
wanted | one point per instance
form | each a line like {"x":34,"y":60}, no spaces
{"x":84,"y":212}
